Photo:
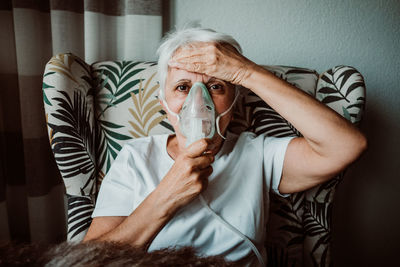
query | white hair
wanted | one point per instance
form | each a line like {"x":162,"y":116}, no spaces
{"x":174,"y":40}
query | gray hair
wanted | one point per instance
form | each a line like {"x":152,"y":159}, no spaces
{"x":174,"y":40}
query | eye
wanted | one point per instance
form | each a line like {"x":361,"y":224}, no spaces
{"x":215,"y":87}
{"x":182,"y":88}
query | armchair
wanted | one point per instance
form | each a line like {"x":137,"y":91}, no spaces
{"x":92,"y":110}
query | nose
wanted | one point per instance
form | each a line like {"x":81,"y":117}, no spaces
{"x":198,"y":97}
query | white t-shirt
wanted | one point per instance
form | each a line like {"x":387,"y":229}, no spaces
{"x":245,"y":169}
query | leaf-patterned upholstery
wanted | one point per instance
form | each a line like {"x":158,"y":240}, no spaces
{"x":93,"y":110}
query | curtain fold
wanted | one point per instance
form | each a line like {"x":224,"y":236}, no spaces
{"x":31,"y":31}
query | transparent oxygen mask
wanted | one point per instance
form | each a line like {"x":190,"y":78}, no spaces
{"x":197,"y":116}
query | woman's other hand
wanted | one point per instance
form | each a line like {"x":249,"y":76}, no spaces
{"x":213,"y":59}
{"x":187,"y":178}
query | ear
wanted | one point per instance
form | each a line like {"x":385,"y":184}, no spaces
{"x":159,"y":93}
{"x":162,"y":105}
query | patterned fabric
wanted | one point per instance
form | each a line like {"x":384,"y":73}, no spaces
{"x":93,"y":111}
{"x":126,"y":106}
{"x":80,"y":209}
{"x":70,"y":120}
{"x":343,"y":89}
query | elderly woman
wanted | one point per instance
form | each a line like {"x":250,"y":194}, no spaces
{"x":212,"y":194}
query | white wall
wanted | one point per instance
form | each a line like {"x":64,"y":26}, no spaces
{"x":320,"y":34}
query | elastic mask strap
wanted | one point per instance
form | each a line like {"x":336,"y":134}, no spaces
{"x":225,"y":112}
{"x":169,"y":110}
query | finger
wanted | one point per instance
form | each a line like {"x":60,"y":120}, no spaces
{"x":197,"y":148}
{"x":198,"y":65}
{"x":202,"y":162}
{"x":206,"y":172}
{"x":204,"y":177}
{"x":194,"y":57}
{"x":198,"y":47}
{"x":191,"y":56}
{"x":190,"y":67}
{"x":228,"y":47}
{"x":204,"y":182}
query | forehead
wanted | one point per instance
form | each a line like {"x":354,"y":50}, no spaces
{"x":175,"y":75}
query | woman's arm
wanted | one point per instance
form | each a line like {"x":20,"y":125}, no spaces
{"x":185,"y":180}
{"x":137,"y":229}
{"x":330,"y":143}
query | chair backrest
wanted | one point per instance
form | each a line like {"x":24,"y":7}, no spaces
{"x":93,"y":110}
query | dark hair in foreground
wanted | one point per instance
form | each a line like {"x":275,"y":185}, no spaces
{"x":101,"y":254}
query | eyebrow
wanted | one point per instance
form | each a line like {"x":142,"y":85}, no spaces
{"x":212,"y":79}
{"x":183,"y":80}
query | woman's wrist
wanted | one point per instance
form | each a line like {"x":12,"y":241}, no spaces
{"x":252,"y":76}
{"x":140,"y":228}
{"x":164,"y":205}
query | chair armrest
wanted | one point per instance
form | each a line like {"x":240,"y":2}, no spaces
{"x":68,"y":103}
{"x":80,"y":209}
{"x":342,"y":88}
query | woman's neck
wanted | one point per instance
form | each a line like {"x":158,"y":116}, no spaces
{"x":173,"y":149}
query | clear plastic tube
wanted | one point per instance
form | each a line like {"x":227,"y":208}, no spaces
{"x":233,"y":229}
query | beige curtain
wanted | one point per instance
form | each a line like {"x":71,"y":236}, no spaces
{"x":32,"y":31}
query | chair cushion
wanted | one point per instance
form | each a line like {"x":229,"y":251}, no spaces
{"x":253,"y":114}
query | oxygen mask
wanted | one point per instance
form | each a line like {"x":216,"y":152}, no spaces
{"x":197,"y":116}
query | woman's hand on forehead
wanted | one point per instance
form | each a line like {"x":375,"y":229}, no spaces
{"x":221,"y":61}
{"x":181,"y":75}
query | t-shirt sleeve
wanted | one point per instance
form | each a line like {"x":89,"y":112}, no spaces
{"x":116,"y":191}
{"x":274,"y":155}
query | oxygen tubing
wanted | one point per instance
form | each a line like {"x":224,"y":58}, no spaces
{"x":233,"y":229}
